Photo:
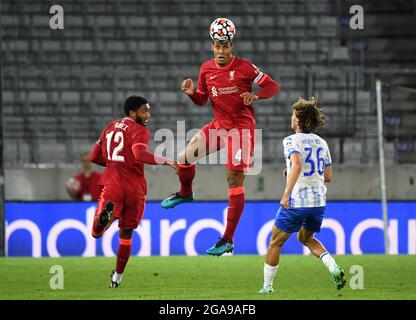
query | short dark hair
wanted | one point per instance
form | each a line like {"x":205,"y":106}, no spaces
{"x":133,"y":103}
{"x":309,"y":115}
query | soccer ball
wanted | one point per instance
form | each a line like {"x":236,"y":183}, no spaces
{"x":222,"y":29}
{"x":73,"y":184}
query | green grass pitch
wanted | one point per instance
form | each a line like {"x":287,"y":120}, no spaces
{"x":204,"y":277}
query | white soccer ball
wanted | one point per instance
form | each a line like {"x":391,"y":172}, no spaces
{"x":222,"y":29}
{"x":73,"y":184}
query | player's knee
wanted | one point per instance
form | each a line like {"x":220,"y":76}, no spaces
{"x":126,"y":233}
{"x":182,"y":157}
{"x":276,"y":242}
{"x":194,"y":139}
{"x":231,"y":181}
{"x":235,"y":179}
{"x":188,"y":156}
{"x":279,"y":243}
{"x":302,"y":239}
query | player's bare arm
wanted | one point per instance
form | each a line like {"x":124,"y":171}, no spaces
{"x":328,"y":174}
{"x":292,"y":178}
{"x":141,"y":154}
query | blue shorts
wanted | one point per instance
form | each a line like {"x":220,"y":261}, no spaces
{"x":292,"y":219}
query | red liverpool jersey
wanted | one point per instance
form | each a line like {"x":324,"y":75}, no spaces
{"x":224,"y":86}
{"x":122,"y":168}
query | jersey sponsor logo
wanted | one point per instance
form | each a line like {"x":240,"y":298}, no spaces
{"x":228,"y":90}
{"x":214,"y":92}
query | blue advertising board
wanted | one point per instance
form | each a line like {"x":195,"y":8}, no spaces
{"x":64,"y":229}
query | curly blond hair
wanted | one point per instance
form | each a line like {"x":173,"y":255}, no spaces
{"x":309,"y":115}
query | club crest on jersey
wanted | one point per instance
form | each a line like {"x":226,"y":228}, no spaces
{"x":214,"y":92}
{"x":232,"y":75}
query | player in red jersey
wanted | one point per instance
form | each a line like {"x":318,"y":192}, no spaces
{"x":227,"y":81}
{"x":122,"y":149}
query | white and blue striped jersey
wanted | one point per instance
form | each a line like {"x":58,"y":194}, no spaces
{"x":309,"y":190}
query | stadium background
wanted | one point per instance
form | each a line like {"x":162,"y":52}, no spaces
{"x":59,"y":88}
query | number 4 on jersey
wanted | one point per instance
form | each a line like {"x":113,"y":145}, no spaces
{"x":238,"y":155}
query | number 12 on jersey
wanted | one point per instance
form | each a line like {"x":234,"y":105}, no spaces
{"x":118,"y":138}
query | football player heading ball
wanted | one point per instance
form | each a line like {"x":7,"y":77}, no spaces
{"x":227,"y":81}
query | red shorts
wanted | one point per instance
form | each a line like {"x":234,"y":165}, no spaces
{"x":239,"y":144}
{"x":128,"y":205}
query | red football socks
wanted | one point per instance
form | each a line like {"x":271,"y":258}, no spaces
{"x":186,"y":176}
{"x":235,"y":209}
{"x":123,"y":254}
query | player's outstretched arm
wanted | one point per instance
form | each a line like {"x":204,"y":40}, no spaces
{"x":291,"y":179}
{"x":188,"y":87}
{"x":141,"y":154}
